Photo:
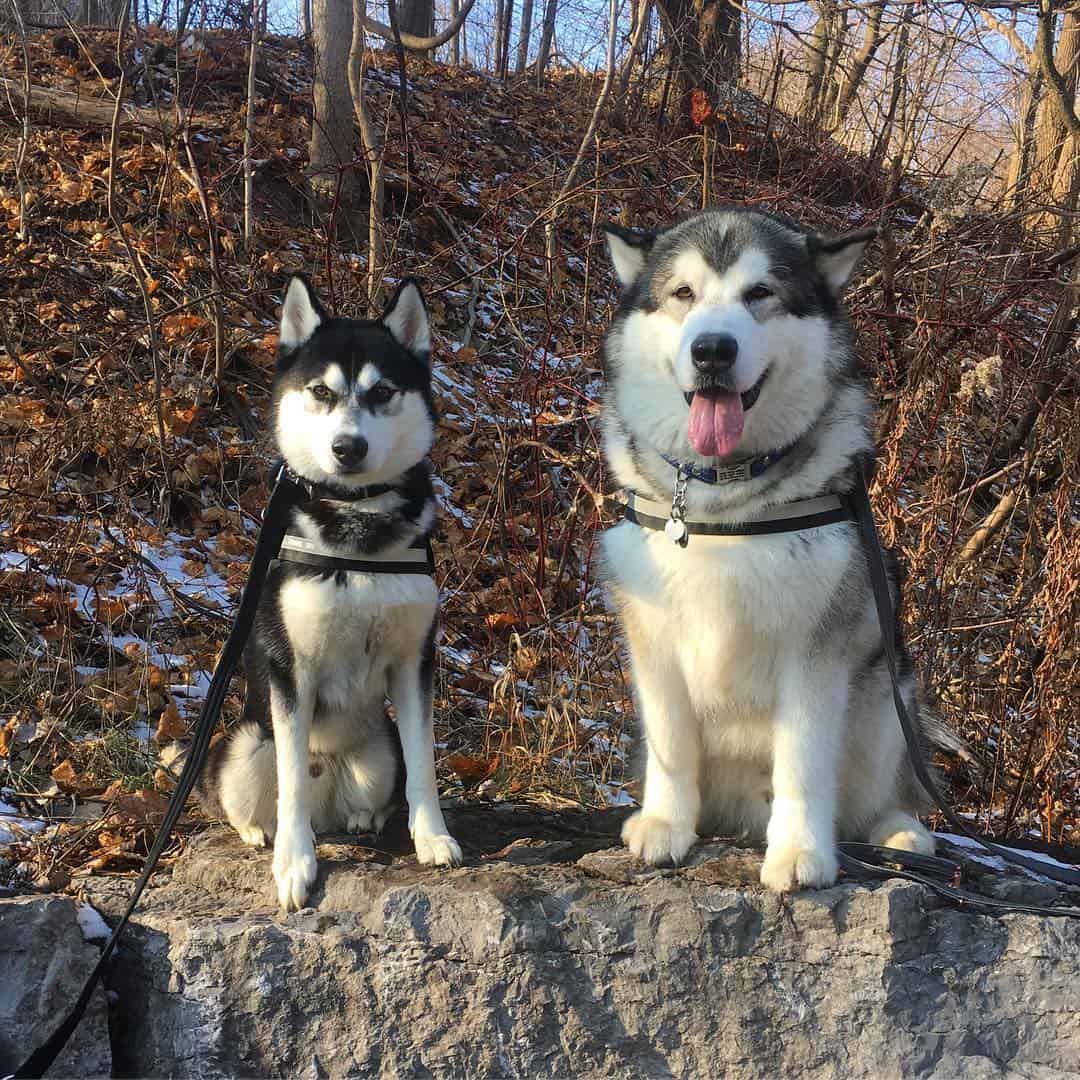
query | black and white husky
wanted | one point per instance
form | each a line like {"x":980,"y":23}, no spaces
{"x":354,"y":420}
{"x":757,"y":661}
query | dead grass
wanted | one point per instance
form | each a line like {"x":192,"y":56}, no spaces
{"x":118,"y":573}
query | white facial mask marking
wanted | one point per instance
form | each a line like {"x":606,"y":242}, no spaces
{"x":397,"y":437}
{"x":368,"y":377}
{"x":336,"y":381}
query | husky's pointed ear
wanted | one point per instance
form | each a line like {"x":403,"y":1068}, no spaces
{"x":628,"y":249}
{"x":837,"y":256}
{"x":301,"y":313}
{"x":406,"y":318}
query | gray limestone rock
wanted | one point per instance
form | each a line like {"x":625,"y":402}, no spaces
{"x":553,"y":953}
{"x":44,"y":961}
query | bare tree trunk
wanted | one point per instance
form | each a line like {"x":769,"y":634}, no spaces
{"x":305,"y":19}
{"x":332,"y":143}
{"x":497,"y":43}
{"x":706,"y":44}
{"x":249,"y":131}
{"x":455,"y":47}
{"x":544,"y":53}
{"x":183,"y":14}
{"x":373,"y":151}
{"x":24,"y":132}
{"x":1057,"y":137}
{"x":508,"y":26}
{"x":880,"y":147}
{"x":1016,"y":182}
{"x":819,"y":54}
{"x":642,"y":14}
{"x":852,"y":80}
{"x":837,"y":45}
{"x":523,"y":37}
{"x":416,"y":17}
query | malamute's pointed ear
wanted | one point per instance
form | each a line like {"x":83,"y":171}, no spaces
{"x":301,"y":313}
{"x":406,"y":318}
{"x":837,"y":256}
{"x":628,"y":249}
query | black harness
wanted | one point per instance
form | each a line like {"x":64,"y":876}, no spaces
{"x":939,"y":875}
{"x":294,"y":548}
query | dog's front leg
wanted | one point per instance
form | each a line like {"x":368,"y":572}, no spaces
{"x":291,"y":708}
{"x":410,"y":691}
{"x":665,"y":827}
{"x":807,"y":734}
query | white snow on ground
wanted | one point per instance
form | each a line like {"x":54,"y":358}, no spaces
{"x":92,"y":925}
{"x":979,"y":855}
{"x":616,"y":795}
{"x":13,"y":827}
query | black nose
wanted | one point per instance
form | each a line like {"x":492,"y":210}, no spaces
{"x":713,"y":354}
{"x":350,"y":450}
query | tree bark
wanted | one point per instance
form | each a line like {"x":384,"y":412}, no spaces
{"x":1056,"y":169}
{"x":884,"y":136}
{"x":852,"y":80}
{"x":455,"y":47}
{"x":333,"y":145}
{"x":417,"y":17}
{"x":706,"y":45}
{"x":249,"y":131}
{"x":1019,"y":175}
{"x":642,"y":14}
{"x":371,"y":135}
{"x":548,"y":33}
{"x":508,"y":26}
{"x":523,"y":37}
{"x":819,"y":52}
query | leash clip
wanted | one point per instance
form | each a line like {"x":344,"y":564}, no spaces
{"x":675,"y":529}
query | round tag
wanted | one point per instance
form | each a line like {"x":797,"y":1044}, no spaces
{"x":675,"y":530}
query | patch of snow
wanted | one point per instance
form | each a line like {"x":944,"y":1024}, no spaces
{"x":14,"y":827}
{"x":980,"y":855}
{"x":92,"y":925}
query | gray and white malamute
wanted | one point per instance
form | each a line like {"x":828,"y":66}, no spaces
{"x":354,"y":421}
{"x":760,"y":676}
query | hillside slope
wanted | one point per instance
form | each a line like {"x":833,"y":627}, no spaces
{"x":132,"y":480}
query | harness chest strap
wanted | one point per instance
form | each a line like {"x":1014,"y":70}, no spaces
{"x":416,"y":559}
{"x":791,"y":517}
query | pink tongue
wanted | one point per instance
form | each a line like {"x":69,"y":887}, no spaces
{"x":716,"y":424}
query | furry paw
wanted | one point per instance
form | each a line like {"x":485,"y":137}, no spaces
{"x":657,"y":841}
{"x":359,"y":822}
{"x":790,"y":867}
{"x":294,"y":867}
{"x":253,"y":835}
{"x":901,"y":830}
{"x":436,"y":850}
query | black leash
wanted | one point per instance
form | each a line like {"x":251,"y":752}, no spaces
{"x":286,"y":494}
{"x":289,"y":490}
{"x":855,"y":507}
{"x":861,"y":512}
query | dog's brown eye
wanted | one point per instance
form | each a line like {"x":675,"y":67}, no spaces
{"x":322,"y":393}
{"x":758,"y":292}
{"x":380,"y":395}
{"x":683,"y":292}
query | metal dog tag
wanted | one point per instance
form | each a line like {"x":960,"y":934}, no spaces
{"x":676,"y":530}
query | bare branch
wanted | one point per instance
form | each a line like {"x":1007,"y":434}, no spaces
{"x":422,"y":44}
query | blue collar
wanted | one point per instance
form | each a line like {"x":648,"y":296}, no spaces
{"x":726,"y":474}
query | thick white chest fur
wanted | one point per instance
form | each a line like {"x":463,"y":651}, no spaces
{"x":347,"y":636}
{"x":726,"y":611}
